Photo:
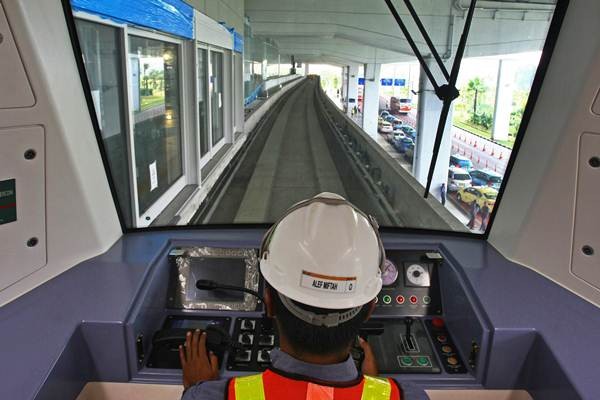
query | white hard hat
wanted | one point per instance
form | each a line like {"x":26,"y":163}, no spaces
{"x":326,"y":253}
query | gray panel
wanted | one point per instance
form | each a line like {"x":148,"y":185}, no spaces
{"x":14,"y":79}
{"x":585,"y":258}
{"x":596,"y":105}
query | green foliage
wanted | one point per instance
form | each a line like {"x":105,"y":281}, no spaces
{"x":484,"y":120}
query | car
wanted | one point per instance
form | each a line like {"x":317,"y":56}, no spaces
{"x":458,"y":178}
{"x":486,"y":177}
{"x":396,"y":135}
{"x":384,"y":114}
{"x":480,"y":195}
{"x":456,"y":160}
{"x":401,"y":144}
{"x":410,"y":132}
{"x":391,"y":119}
{"x":385,"y":127}
{"x":397,"y":125}
{"x":409,"y":153}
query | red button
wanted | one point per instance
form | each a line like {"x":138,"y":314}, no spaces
{"x":413,"y":299}
{"x":437,"y":323}
{"x":400,"y":299}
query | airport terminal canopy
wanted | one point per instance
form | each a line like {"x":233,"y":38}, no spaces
{"x":212,"y":115}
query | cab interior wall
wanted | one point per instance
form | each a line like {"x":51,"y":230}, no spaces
{"x":512,"y":291}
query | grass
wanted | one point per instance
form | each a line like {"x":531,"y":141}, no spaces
{"x":483,"y":133}
{"x":152,"y":101}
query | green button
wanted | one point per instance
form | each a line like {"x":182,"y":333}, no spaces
{"x":406,"y":361}
{"x":387,"y":299}
{"x":426,"y":299}
{"x":423,"y":361}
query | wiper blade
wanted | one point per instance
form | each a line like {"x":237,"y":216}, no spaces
{"x":451,"y":95}
{"x":447,"y":92}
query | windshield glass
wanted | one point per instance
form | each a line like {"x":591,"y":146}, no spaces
{"x":489,"y":195}
{"x":229,"y":115}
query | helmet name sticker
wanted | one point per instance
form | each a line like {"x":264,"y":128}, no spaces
{"x":325,"y":283}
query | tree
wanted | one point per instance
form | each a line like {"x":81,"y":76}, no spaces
{"x":477,"y":86}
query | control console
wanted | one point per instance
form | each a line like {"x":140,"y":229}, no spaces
{"x":407,"y":331}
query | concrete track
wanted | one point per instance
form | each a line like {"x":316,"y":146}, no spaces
{"x":289,"y":161}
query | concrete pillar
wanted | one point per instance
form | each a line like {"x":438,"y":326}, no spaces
{"x":352,"y":97}
{"x":371,"y":98}
{"x":430,"y":107}
{"x":504,"y":99}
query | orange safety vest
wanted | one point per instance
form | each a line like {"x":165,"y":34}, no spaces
{"x":272,"y":386}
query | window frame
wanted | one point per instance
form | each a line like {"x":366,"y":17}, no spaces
{"x":212,"y":148}
{"x":145,"y":219}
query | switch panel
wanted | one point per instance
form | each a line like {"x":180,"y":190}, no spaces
{"x":256,"y":338}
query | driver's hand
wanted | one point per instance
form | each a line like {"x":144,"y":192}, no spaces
{"x":197,"y":364}
{"x":369,"y":364}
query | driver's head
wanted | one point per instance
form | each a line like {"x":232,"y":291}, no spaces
{"x":322,"y":264}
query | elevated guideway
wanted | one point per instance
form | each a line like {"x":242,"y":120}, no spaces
{"x":305,"y":145}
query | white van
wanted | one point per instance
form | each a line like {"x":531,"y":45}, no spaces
{"x":458,"y":178}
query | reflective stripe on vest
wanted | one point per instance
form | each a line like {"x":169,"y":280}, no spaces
{"x":376,"y":389}
{"x":252,"y":388}
{"x":249,"y":387}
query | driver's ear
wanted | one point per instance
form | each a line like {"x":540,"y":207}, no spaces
{"x":269,"y":306}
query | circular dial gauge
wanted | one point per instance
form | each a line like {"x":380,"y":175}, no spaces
{"x":390,"y":273}
{"x":417,"y":275}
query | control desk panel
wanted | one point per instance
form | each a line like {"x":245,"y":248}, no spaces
{"x":407,"y":331}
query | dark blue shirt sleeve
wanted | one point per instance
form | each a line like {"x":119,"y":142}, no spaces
{"x":209,"y":390}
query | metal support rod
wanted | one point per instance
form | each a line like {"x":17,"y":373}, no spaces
{"x":460,"y":51}
{"x":430,"y":44}
{"x":412,"y":44}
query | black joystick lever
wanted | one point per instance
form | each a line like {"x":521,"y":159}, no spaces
{"x":408,"y":321}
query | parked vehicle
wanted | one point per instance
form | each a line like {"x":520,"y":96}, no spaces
{"x":402,"y":144}
{"x":396,"y":135}
{"x":409,"y":153}
{"x":410,"y":132}
{"x":384,"y":114}
{"x":456,"y":160}
{"x":385,"y":127}
{"x":486,"y":177}
{"x":458,"y":178}
{"x":480,"y":195}
{"x":397,"y":125}
{"x":391,"y":119}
